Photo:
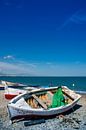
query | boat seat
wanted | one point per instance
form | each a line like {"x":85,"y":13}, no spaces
{"x":68,"y":95}
{"x":47,"y":98}
{"x":39,"y":101}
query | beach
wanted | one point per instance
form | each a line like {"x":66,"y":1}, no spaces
{"x":74,"y":119}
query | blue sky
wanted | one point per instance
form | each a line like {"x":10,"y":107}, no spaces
{"x":43,"y":37}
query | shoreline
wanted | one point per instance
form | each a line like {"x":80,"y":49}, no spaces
{"x":81,"y":92}
{"x":75,"y":119}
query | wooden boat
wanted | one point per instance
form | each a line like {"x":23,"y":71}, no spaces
{"x":37,"y":102}
{"x":13,"y":92}
{"x":11,"y":84}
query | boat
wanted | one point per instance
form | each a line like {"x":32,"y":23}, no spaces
{"x":13,"y":92}
{"x":10,"y":85}
{"x":41,"y":103}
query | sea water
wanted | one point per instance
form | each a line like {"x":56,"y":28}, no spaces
{"x":75,"y":83}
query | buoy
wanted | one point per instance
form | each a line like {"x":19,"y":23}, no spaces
{"x":73,"y":84}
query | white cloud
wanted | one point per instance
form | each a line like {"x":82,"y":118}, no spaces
{"x":8,"y":57}
{"x":15,"y":69}
{"x":54,"y":69}
{"x":42,"y":69}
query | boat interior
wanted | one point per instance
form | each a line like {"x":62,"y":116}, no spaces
{"x":44,"y":99}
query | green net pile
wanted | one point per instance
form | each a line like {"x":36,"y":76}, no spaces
{"x":58,"y":99}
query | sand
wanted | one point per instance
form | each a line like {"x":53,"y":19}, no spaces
{"x":75,"y":119}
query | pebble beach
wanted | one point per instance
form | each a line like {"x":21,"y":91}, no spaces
{"x":71,"y":120}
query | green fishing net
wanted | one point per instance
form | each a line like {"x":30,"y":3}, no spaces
{"x":58,"y":99}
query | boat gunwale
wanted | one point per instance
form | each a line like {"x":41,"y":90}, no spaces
{"x":56,"y":108}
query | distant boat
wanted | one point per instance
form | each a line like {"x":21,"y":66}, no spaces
{"x":12,"y":92}
{"x":10,"y":85}
{"x":40,"y":103}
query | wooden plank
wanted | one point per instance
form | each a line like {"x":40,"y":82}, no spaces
{"x":67,"y":94}
{"x":39,"y":101}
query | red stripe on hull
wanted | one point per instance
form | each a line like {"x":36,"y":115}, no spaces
{"x":10,"y":96}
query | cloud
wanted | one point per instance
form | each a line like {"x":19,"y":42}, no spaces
{"x":79,"y":17}
{"x":42,"y":69}
{"x":16,"y":69}
{"x":58,"y":69}
{"x":8,"y":57}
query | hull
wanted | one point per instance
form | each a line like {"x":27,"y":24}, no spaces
{"x":11,"y":93}
{"x":16,"y":113}
{"x":19,"y":108}
{"x":14,"y":89}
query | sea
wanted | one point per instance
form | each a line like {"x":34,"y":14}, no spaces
{"x":75,"y":83}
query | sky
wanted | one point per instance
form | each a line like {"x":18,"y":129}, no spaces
{"x":43,"y":37}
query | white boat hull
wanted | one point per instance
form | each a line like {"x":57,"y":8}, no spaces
{"x":16,"y":113}
{"x":22,"y":109}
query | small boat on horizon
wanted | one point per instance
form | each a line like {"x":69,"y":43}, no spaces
{"x":43,"y":102}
